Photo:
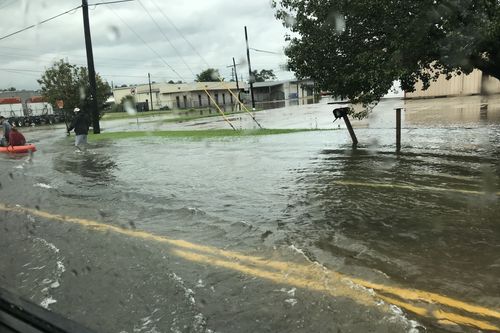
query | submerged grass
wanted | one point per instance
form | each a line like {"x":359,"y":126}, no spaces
{"x":195,"y":134}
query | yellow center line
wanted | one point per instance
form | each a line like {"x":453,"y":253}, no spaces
{"x":461,"y":320}
{"x":412,"y":187}
{"x":312,"y":276}
{"x":322,"y":285}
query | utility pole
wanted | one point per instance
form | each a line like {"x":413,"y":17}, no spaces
{"x":90,"y":64}
{"x":250,"y":79}
{"x":234,"y":72}
{"x":150,"y":91}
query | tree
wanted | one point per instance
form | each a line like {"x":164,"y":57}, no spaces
{"x":71,"y":84}
{"x":209,"y":75}
{"x":357,"y":48}
{"x":263,"y":75}
{"x":171,"y":82}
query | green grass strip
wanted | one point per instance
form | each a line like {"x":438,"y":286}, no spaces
{"x":194,"y":134}
{"x":125,"y":115}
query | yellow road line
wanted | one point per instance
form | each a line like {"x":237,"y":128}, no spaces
{"x":313,"y":277}
{"x":412,"y":187}
{"x":425,"y":296}
{"x":461,"y":320}
{"x":334,"y":288}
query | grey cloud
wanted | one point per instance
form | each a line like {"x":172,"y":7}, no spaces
{"x":214,"y":27}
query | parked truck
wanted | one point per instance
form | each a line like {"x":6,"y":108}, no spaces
{"x":34,"y":111}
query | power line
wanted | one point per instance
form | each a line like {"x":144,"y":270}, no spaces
{"x":166,"y":37}
{"x":39,"y":23}
{"x":144,"y":42}
{"x":180,"y":33}
{"x":107,"y":3}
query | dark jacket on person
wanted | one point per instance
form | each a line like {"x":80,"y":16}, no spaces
{"x":6,"y":129}
{"x":80,"y":124}
{"x":16,"y":138}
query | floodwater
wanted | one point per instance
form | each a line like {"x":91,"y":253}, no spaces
{"x":284,"y":233}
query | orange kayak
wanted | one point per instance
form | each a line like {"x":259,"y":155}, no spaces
{"x":18,"y":149}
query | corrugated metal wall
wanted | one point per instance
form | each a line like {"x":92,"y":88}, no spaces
{"x":460,"y":85}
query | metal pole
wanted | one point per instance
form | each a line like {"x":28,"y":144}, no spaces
{"x":150,"y":91}
{"x":351,"y":131}
{"x":237,"y":83}
{"x":398,"y":129}
{"x":90,"y":64}
{"x":250,"y":80}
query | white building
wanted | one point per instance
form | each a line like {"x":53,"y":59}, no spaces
{"x":182,"y":95}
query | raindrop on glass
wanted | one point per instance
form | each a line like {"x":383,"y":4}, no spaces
{"x":113,"y":33}
{"x":83,"y":94}
{"x":214,"y":75}
{"x":290,"y":21}
{"x":339,"y":23}
{"x":129,"y":107}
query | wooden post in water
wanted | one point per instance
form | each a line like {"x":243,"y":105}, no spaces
{"x":398,"y":129}
{"x":351,"y":131}
{"x":342,"y":113}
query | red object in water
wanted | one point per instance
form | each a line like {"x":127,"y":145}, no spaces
{"x":18,"y":149}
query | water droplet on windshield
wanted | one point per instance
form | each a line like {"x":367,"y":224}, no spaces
{"x":83,"y":94}
{"x":113,"y":33}
{"x":214,"y":75}
{"x":289,"y":21}
{"x":339,"y":23}
{"x":129,"y":108}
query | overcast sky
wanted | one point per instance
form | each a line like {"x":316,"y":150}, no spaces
{"x":214,"y":27}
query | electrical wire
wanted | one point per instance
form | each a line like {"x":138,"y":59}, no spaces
{"x":203,"y":59}
{"x":182,"y":59}
{"x":144,"y":42}
{"x":40,"y":23}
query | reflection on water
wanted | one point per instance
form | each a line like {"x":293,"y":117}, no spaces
{"x":425,"y":220}
{"x":91,"y":165}
{"x":453,"y":111}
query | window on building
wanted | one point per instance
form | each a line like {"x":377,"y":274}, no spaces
{"x":231,"y":96}
{"x":199,"y":101}
{"x":217,"y":98}
{"x":223,"y":99}
{"x":185,"y":99}
{"x":178,"y":100}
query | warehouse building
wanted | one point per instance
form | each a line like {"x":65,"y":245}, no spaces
{"x":474,"y":83}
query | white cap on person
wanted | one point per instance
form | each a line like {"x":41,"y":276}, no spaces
{"x":76,"y":110}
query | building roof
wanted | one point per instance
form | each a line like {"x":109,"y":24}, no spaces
{"x":270,"y":83}
{"x":276,"y":83}
{"x":169,"y":88}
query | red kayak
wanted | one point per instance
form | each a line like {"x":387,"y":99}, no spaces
{"x":18,"y":149}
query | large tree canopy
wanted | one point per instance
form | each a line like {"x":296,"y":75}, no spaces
{"x":263,"y":75}
{"x":71,"y":84}
{"x":209,"y":75}
{"x":357,"y":48}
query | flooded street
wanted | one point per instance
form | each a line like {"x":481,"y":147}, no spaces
{"x":294,"y":232}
